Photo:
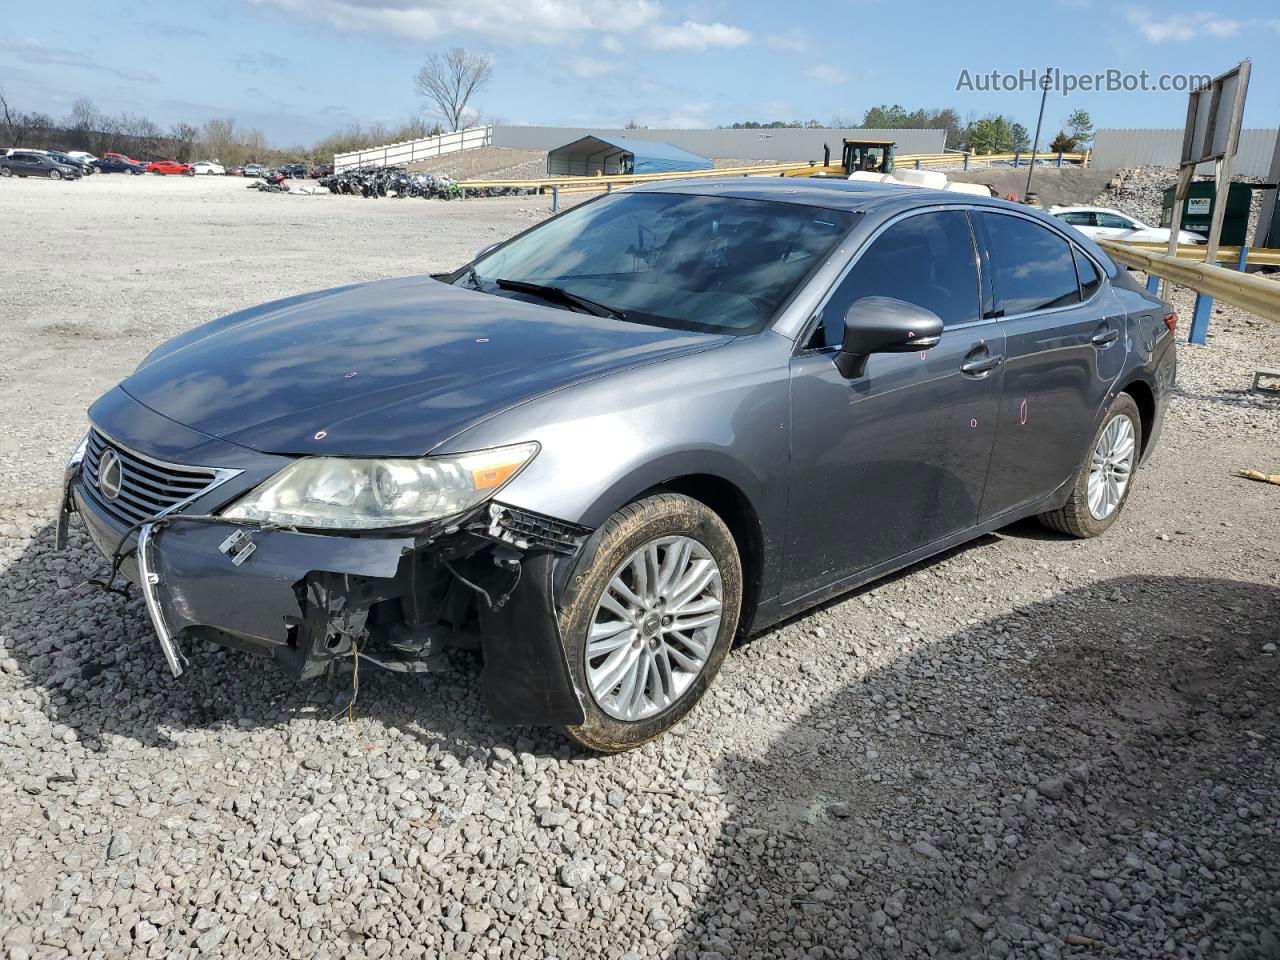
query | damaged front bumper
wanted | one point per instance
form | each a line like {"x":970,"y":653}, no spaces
{"x":398,"y":600}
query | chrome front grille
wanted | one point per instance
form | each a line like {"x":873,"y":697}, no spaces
{"x":147,"y":486}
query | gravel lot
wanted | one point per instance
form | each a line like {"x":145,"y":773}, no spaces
{"x":1030,"y":747}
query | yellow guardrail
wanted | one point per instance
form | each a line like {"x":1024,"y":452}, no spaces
{"x":1257,"y":256}
{"x":903,"y":162}
{"x":623,"y":180}
{"x":1246,"y":291}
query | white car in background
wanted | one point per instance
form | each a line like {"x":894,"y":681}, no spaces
{"x":208,"y":167}
{"x":1103,"y":223}
{"x":81,"y":155}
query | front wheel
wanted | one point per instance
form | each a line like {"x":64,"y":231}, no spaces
{"x":1105,"y":478}
{"x":55,"y":174}
{"x":5,"y":172}
{"x":652,"y":619}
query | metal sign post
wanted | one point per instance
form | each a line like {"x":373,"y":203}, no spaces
{"x":1263,"y":234}
{"x":1045,"y":82}
{"x":1212,"y":133}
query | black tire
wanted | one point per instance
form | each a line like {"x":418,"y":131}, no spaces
{"x":55,"y":174}
{"x":1074,"y":517}
{"x":5,"y":172}
{"x":660,"y":515}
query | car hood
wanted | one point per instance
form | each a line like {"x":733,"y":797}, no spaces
{"x":390,"y":368}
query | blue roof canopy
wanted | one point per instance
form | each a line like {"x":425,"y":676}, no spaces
{"x":592,"y":155}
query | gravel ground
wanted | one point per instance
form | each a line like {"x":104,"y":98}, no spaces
{"x":1030,"y":747}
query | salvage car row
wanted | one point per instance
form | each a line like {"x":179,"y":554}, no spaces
{"x":56,"y":165}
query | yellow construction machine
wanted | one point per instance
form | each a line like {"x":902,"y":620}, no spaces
{"x":858,"y":156}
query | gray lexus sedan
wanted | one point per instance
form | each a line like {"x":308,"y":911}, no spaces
{"x":665,"y":418}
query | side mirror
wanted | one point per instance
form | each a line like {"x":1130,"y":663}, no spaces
{"x":483,"y":250}
{"x":884,"y":325}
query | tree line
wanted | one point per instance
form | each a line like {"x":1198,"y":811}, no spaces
{"x":86,"y":127}
{"x":448,"y":82}
{"x":992,"y":133}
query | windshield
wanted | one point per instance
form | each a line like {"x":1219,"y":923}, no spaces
{"x":714,"y":264}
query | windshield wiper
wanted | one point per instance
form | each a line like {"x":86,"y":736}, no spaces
{"x":561,"y":295}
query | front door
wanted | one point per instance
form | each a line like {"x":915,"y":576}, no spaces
{"x":1064,"y":345}
{"x":896,"y":459}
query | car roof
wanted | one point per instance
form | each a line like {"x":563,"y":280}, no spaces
{"x":829,"y":192}
{"x":880,"y":200}
{"x":1084,"y":209}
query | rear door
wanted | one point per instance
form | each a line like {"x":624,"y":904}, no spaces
{"x":892,"y":461}
{"x":27,"y":164}
{"x":1065,"y":344}
{"x":1114,"y":227}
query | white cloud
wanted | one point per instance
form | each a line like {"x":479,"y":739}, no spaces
{"x":691,"y":35}
{"x":546,"y":21}
{"x":685,"y":116}
{"x":792,"y":40}
{"x":588,"y":67}
{"x":1273,"y":25}
{"x":36,"y":53}
{"x":825,"y":73}
{"x":1180,"y":27}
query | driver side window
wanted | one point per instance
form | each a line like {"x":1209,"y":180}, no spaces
{"x":1114,"y":222}
{"x":928,"y":259}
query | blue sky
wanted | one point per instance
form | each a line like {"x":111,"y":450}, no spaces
{"x":298,"y":69}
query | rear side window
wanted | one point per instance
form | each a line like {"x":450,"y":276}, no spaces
{"x":927,"y":259}
{"x":1032,"y":266}
{"x":1114,"y":222}
{"x":1088,"y":273}
{"x":1076,"y":219}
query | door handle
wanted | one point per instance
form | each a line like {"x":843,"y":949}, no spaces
{"x":981,"y":365}
{"x":1103,"y":337}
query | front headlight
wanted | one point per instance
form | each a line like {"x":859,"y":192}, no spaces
{"x":351,"y":494}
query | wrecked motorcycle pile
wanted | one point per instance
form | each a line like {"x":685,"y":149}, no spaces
{"x":271,"y":184}
{"x":373,"y":182}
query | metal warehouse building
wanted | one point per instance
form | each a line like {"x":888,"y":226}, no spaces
{"x":593,"y":155}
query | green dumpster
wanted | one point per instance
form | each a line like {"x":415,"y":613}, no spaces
{"x":1197,"y":211}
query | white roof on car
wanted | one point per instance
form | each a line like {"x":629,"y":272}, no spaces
{"x":1081,"y":209}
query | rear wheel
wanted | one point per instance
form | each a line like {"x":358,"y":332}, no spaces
{"x":652,"y":619}
{"x":5,"y":172}
{"x":1105,"y":478}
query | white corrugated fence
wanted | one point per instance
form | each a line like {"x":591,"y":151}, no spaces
{"x":409,"y":151}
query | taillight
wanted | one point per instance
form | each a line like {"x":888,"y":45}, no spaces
{"x":1171,"y":321}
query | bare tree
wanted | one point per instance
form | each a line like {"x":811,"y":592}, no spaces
{"x":183,"y":136}
{"x":17,"y":125}
{"x":84,"y":121}
{"x":451,"y":80}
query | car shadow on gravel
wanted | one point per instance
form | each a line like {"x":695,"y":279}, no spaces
{"x":94,"y":662}
{"x":1091,"y":775}
{"x":91,"y":661}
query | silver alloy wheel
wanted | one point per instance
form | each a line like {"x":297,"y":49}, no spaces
{"x":653,"y":628}
{"x":1111,"y":467}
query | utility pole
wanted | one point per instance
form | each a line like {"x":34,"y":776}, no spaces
{"x":1045,"y":82}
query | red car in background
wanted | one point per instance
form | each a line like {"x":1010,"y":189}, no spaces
{"x":169,"y":166}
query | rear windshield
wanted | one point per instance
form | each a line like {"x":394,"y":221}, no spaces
{"x":715,"y":264}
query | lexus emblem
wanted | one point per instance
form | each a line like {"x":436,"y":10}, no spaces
{"x":110,"y":475}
